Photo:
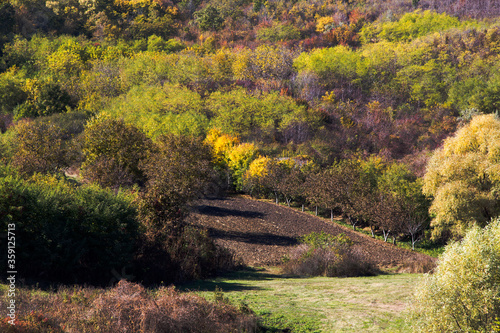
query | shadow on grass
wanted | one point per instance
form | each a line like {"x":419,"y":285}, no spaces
{"x":228,"y":281}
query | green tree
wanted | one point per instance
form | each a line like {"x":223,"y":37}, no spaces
{"x":44,"y":99}
{"x":463,"y":293}
{"x":11,"y":90}
{"x":463,"y":177}
{"x":209,"y":18}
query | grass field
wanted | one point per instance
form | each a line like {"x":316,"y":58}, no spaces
{"x":367,"y":304}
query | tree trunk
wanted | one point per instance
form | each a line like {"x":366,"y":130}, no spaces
{"x":394,"y":240}
{"x":373,"y":231}
{"x":331,"y":215}
{"x":386,"y":234}
{"x":351,"y":220}
{"x":302,"y":208}
{"x":316,"y":210}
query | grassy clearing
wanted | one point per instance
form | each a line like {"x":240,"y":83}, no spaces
{"x":367,"y":304}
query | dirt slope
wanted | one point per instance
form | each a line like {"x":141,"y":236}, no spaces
{"x":260,"y":233}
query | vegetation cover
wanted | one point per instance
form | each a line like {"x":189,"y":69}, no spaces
{"x":463,"y":293}
{"x":116,"y":114}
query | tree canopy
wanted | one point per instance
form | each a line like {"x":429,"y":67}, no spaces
{"x":463,"y":177}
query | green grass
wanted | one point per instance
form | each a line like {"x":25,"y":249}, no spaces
{"x":321,"y":304}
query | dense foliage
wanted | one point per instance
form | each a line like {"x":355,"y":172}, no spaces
{"x":66,"y":232}
{"x":463,"y":294}
{"x":335,"y":105}
{"x":464,"y":178}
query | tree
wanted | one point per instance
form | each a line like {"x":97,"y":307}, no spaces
{"x":39,"y":147}
{"x":179,"y":169}
{"x":240,"y":158}
{"x":292,"y":186}
{"x":255,"y":174}
{"x":463,"y":294}
{"x":43,"y":99}
{"x":112,"y":152}
{"x":209,"y":19}
{"x":406,"y":204}
{"x":463,"y":177}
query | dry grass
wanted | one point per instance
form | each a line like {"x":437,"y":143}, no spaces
{"x":337,"y":262}
{"x":418,"y":266}
{"x":128,"y":307}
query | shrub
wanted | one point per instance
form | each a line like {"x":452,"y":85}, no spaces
{"x":39,"y":147}
{"x":11,"y":90}
{"x":322,"y":254}
{"x":463,"y":295}
{"x":43,"y":99}
{"x":178,"y":254}
{"x":67,"y":233}
{"x":278,"y":32}
{"x":127,"y":307}
{"x":112,"y":152}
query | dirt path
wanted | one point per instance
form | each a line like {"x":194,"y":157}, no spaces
{"x":260,"y":233}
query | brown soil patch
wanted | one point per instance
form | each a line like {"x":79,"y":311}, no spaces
{"x":261,"y":233}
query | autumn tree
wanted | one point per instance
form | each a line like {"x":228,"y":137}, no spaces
{"x":112,"y":152}
{"x":178,"y":170}
{"x":463,"y":293}
{"x":253,"y":179}
{"x":220,"y":145}
{"x":463,"y":177}
{"x":408,"y":206}
{"x":292,"y":185}
{"x":39,"y":147}
{"x":239,"y":159}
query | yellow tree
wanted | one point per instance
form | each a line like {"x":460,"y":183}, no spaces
{"x":240,"y":158}
{"x":221,"y":145}
{"x":463,"y":177}
{"x":255,"y":174}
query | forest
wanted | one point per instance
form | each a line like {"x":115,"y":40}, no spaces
{"x":116,"y":115}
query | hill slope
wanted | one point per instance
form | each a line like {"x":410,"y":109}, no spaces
{"x":260,"y":233}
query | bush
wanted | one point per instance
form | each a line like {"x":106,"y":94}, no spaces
{"x":463,"y":295}
{"x":322,"y":254}
{"x":39,"y":147}
{"x":67,"y":233}
{"x":278,"y":32}
{"x":113,"y":151}
{"x":127,"y":307}
{"x":44,"y":99}
{"x":179,"y":254}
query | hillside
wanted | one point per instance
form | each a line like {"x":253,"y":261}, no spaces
{"x":261,"y":233}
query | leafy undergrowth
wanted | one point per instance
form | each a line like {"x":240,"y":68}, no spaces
{"x":320,"y":304}
{"x":128,"y":307}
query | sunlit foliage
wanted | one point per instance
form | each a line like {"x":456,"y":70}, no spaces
{"x":463,"y":177}
{"x":463,"y":294}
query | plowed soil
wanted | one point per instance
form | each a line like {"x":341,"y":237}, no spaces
{"x":261,"y":233}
